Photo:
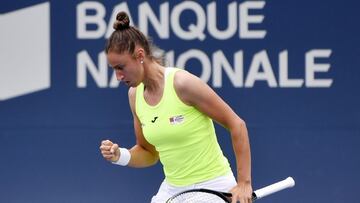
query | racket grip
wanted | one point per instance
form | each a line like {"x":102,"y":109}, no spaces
{"x":281,"y":185}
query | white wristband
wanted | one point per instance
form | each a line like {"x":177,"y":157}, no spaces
{"x":124,"y":157}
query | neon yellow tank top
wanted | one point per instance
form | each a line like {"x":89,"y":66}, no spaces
{"x":184,"y":137}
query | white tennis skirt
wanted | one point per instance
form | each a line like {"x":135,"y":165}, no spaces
{"x":222,"y":183}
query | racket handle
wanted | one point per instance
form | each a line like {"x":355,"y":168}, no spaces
{"x":281,"y":185}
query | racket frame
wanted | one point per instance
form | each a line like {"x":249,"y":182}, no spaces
{"x":257,"y":194}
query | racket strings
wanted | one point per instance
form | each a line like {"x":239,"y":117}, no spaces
{"x":196,"y":197}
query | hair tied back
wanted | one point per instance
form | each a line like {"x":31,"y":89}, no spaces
{"x":122,"y":21}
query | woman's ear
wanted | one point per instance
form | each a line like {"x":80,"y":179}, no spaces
{"x":140,"y":54}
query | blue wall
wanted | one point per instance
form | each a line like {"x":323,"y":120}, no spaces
{"x":49,"y":139}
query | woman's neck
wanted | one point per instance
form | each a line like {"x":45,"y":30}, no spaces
{"x":154,"y":77}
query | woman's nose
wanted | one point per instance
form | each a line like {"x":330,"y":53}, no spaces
{"x":119,"y":76}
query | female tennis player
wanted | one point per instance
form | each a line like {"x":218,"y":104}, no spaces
{"x":173,"y":114}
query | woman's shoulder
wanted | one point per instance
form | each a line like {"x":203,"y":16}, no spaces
{"x":132,"y":96}
{"x":132,"y":92}
{"x":186,"y":85}
{"x":184,"y":79}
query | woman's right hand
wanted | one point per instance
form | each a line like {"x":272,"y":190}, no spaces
{"x":110,"y":151}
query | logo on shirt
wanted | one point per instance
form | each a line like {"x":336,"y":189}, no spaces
{"x":153,"y":121}
{"x":176,"y":119}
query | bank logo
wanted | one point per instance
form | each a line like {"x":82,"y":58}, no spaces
{"x":25,"y":51}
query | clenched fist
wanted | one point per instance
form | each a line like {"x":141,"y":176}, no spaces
{"x":109,"y":150}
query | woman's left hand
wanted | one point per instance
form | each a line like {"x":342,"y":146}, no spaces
{"x":242,"y":193}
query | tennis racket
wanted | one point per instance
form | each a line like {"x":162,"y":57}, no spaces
{"x":211,"y":196}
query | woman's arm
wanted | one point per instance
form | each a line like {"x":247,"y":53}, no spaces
{"x":193,"y":91}
{"x":143,"y":154}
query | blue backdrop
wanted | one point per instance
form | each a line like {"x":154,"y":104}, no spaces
{"x":295,"y":85}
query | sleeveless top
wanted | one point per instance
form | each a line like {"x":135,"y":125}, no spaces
{"x":184,"y":137}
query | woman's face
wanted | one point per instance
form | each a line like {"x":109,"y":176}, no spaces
{"x":127,"y":69}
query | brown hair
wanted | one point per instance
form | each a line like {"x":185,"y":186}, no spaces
{"x":126,"y":37}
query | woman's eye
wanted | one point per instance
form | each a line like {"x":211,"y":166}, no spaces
{"x":119,"y":67}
